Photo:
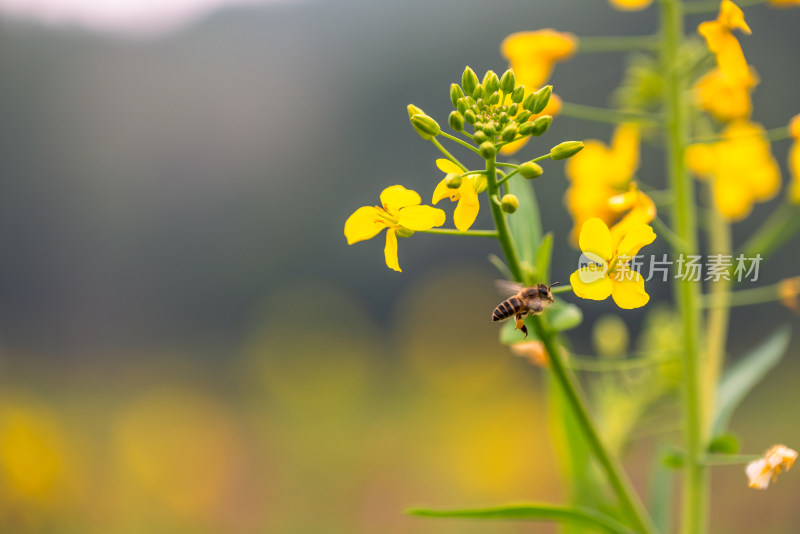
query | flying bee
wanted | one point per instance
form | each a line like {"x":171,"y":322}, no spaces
{"x":523,"y":301}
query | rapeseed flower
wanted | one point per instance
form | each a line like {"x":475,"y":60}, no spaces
{"x":400,"y":213}
{"x":630,"y":5}
{"x":765,"y":470}
{"x":609,"y":272}
{"x":466,"y":195}
{"x":599,"y":174}
{"x":794,"y":160}
{"x":723,"y":97}
{"x":552,"y":108}
{"x":532,"y":55}
{"x":740,"y":166}
{"x":721,"y":41}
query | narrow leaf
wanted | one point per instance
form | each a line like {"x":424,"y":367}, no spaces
{"x":543,"y":256}
{"x":737,"y":382}
{"x":533,"y":512}
{"x":526,"y":223}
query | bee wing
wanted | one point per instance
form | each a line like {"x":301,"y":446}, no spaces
{"x":507,"y":287}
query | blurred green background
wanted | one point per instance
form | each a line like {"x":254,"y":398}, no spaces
{"x":189,"y":345}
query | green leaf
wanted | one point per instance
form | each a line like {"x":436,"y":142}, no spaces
{"x":660,"y":495}
{"x":564,"y":316}
{"x":724,"y":444}
{"x":526,"y":222}
{"x":533,"y":512}
{"x":737,"y":382}
{"x":543,"y":256}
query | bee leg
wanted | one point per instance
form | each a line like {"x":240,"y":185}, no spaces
{"x":521,"y":325}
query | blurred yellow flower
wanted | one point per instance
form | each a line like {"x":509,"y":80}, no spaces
{"x":784,"y":3}
{"x":599,"y":173}
{"x":638,"y":208}
{"x":609,"y":272}
{"x":552,"y":108}
{"x":33,"y":460}
{"x":534,"y":351}
{"x":723,"y":44}
{"x":794,"y":160}
{"x":532,"y":55}
{"x":401,"y":212}
{"x":468,"y":205}
{"x":725,"y":98}
{"x":765,"y":470}
{"x":740,"y":166}
{"x":630,"y":5}
{"x":788,"y":290}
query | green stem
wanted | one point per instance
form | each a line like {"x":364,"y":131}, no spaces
{"x":460,"y":141}
{"x":560,"y":289}
{"x":614,"y":43}
{"x":451,"y":157}
{"x":510,"y":165}
{"x":695,"y":479}
{"x":574,"y":395}
{"x":774,"y":134}
{"x":615,"y":365}
{"x":779,"y":227}
{"x":730,"y":459}
{"x":591,"y":113}
{"x":745,"y":297}
{"x":675,"y":242}
{"x":451,"y":231}
{"x":507,"y":177}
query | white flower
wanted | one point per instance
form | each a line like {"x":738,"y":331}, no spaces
{"x":765,"y":470}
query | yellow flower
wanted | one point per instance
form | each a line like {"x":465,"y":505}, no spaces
{"x":609,"y":272}
{"x":725,"y":98}
{"x":723,"y":44}
{"x":599,"y":173}
{"x":765,"y":470}
{"x":784,"y":3}
{"x":740,"y":166}
{"x":532,"y":55}
{"x":638,"y":208}
{"x":401,"y":212}
{"x":467,"y":208}
{"x":552,"y":108}
{"x":630,"y":5}
{"x":794,"y":160}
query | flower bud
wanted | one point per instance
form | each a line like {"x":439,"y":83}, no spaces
{"x":509,"y":132}
{"x":565,"y":150}
{"x":478,"y":93}
{"x":508,"y":81}
{"x":480,"y":183}
{"x":425,"y":126}
{"x":480,"y":137}
{"x":461,"y":105}
{"x":490,"y":129}
{"x":402,"y":231}
{"x":541,"y":124}
{"x":530,"y":170}
{"x":518,"y":94}
{"x":455,"y":93}
{"x":513,"y":109}
{"x":469,"y":80}
{"x":526,"y":128}
{"x":470,"y":117}
{"x":491,"y":82}
{"x":488,"y":150}
{"x":456,"y":121}
{"x":541,"y":98}
{"x":452,"y":180}
{"x":502,"y":118}
{"x":529,"y":101}
{"x":414,"y":110}
{"x":523,"y":116}
{"x":509,"y":203}
{"x":493,"y":99}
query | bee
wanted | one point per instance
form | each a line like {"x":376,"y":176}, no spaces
{"x":523,"y":301}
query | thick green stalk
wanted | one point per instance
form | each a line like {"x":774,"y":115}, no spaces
{"x":619,"y":480}
{"x":694,"y":518}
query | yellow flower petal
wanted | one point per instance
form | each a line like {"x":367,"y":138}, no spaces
{"x":395,"y":197}
{"x":532,"y":55}
{"x":700,"y":159}
{"x":596,"y":238}
{"x":442,"y":191}
{"x":421,"y":217}
{"x":390,"y":251}
{"x":628,"y":291}
{"x":447,"y":166}
{"x":637,"y":237}
{"x":625,"y":152}
{"x":727,"y":49}
{"x":732,"y":17}
{"x":630,"y":5}
{"x":466,"y":211}
{"x":731,"y":199}
{"x":725,"y":98}
{"x":794,"y":126}
{"x":599,"y":289}
{"x":794,"y":168}
{"x":364,"y":223}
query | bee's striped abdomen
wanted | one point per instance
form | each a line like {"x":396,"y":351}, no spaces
{"x":507,"y":308}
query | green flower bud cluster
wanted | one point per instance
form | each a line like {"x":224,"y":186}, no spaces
{"x":497,"y":109}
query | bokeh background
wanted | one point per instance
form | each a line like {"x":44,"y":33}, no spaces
{"x":189,"y":345}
